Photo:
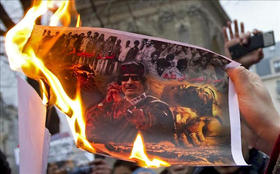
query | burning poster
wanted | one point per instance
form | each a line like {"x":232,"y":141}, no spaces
{"x":172,"y":96}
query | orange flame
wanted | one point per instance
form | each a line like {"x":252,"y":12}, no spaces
{"x":139,"y":153}
{"x":61,"y":14}
{"x":78,"y":24}
{"x":21,"y":58}
{"x":43,"y":92}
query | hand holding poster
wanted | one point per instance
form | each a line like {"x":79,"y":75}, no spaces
{"x":174,"y":95}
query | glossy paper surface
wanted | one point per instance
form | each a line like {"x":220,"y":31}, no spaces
{"x":174,"y":94}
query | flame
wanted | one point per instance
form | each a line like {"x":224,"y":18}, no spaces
{"x":139,"y":153}
{"x":44,"y":92}
{"x":26,"y":60}
{"x":17,"y":37}
{"x":78,"y":24}
{"x":61,"y":14}
{"x":23,"y":57}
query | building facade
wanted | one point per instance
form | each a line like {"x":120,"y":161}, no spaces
{"x":195,"y":22}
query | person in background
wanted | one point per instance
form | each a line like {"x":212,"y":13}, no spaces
{"x":260,"y":119}
{"x":144,"y":171}
{"x":4,"y":165}
{"x":100,"y":166}
{"x":239,"y":76}
{"x":132,"y":53}
{"x":124,"y":167}
{"x":239,"y":36}
{"x":124,"y":51}
{"x":177,"y":169}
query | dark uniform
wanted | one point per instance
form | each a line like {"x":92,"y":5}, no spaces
{"x":120,"y":122}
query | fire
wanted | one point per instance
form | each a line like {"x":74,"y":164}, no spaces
{"x":78,"y":24}
{"x":43,"y":92}
{"x":25,"y":59}
{"x":138,"y":153}
{"x":61,"y":13}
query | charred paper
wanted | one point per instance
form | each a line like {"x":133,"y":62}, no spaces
{"x":175,"y":95}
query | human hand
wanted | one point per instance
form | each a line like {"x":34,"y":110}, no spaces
{"x":262,"y":122}
{"x":113,"y":93}
{"x":100,"y":167}
{"x":241,"y":38}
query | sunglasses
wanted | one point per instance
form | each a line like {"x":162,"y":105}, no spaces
{"x":134,"y":78}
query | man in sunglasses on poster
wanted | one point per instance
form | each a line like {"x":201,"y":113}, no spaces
{"x":127,"y":109}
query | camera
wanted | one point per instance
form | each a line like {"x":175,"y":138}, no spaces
{"x":259,"y":40}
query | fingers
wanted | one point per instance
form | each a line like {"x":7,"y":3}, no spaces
{"x":260,"y":53}
{"x":225,"y":34}
{"x":236,"y":31}
{"x":244,"y":38}
{"x":258,"y":56}
{"x":230,"y":30}
{"x":255,"y":104}
{"x":242,"y":27}
{"x":256,"y":31}
{"x":240,"y":37}
{"x":252,"y":58}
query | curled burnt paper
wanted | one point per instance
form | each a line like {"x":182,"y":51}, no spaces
{"x":175,"y":95}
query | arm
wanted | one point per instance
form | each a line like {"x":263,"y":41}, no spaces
{"x":262,"y":122}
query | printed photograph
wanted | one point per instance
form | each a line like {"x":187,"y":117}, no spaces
{"x":174,"y":95}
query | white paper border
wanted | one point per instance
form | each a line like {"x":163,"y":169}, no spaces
{"x":235,"y":126}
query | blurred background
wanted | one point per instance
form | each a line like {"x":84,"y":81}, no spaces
{"x":197,"y":22}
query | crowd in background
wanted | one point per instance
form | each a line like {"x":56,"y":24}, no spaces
{"x":104,"y":53}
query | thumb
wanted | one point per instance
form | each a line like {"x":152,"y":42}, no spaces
{"x":238,"y":75}
{"x":244,"y":81}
